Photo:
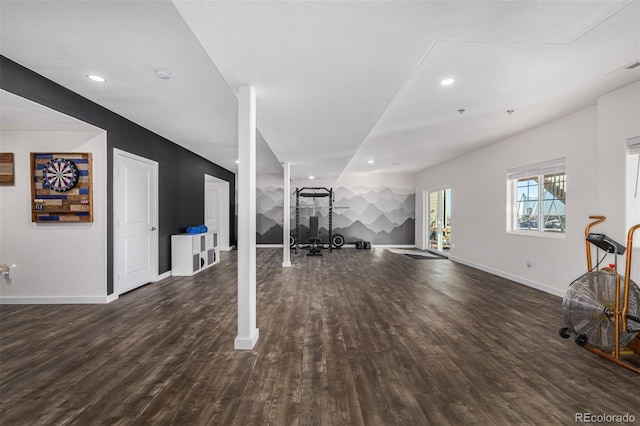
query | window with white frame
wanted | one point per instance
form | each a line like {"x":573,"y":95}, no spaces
{"x":538,"y":198}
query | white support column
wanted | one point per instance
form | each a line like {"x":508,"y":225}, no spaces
{"x":247,"y":331}
{"x":286,"y":220}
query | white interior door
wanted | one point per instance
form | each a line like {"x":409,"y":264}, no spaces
{"x":216,"y":210}
{"x":135,"y":220}
{"x":211,"y":207}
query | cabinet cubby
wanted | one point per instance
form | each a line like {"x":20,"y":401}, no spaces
{"x":191,"y":253}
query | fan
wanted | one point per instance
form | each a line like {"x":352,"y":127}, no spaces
{"x":588,"y":309}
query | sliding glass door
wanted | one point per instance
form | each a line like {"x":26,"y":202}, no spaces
{"x":439,"y":220}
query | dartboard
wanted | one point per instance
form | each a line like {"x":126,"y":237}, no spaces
{"x":60,"y":175}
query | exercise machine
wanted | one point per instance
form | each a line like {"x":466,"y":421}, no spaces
{"x":315,"y":244}
{"x":602,"y":308}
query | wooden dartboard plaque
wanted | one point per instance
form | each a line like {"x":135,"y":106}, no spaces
{"x":61,"y":187}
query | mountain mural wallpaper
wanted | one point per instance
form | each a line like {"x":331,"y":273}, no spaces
{"x":269,"y":202}
{"x":379,"y":215}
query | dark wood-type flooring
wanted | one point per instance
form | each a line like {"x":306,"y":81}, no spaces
{"x":354,"y":337}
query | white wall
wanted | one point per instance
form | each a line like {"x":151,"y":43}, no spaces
{"x":479,"y":199}
{"x":269,"y":179}
{"x":56,"y":262}
{"x":618,"y":119}
{"x":377,"y":180}
{"x":593,"y":141}
{"x":633,"y":206}
{"x":355,"y":180}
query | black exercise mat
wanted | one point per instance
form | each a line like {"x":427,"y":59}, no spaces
{"x":425,"y":256}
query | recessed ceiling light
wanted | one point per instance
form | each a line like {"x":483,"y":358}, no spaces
{"x":163,"y":73}
{"x":447,"y":81}
{"x":312,"y":177}
{"x":370,"y":161}
{"x":96,"y":78}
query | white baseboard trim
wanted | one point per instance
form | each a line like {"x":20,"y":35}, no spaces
{"x":55,"y":300}
{"x":162,"y":276}
{"x":246,"y":343}
{"x":286,"y":264}
{"x":225,"y":248}
{"x":514,"y":278}
{"x":399,"y":246}
{"x":345,"y":246}
{"x":111,"y":297}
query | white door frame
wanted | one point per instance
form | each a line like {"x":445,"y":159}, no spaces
{"x":426,"y":226}
{"x":117,"y":202}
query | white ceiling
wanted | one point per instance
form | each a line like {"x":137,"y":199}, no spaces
{"x":19,"y":114}
{"x":126,"y":41}
{"x":337,"y":83}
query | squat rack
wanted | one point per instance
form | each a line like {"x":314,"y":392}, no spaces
{"x":314,"y":192}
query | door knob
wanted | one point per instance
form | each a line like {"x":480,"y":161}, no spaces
{"x":153,"y":228}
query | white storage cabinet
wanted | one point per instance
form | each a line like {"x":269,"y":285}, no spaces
{"x":191,"y":254}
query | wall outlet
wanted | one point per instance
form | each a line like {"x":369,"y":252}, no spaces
{"x":529,"y":263}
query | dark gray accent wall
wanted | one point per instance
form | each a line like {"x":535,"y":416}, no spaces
{"x":181,"y":172}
